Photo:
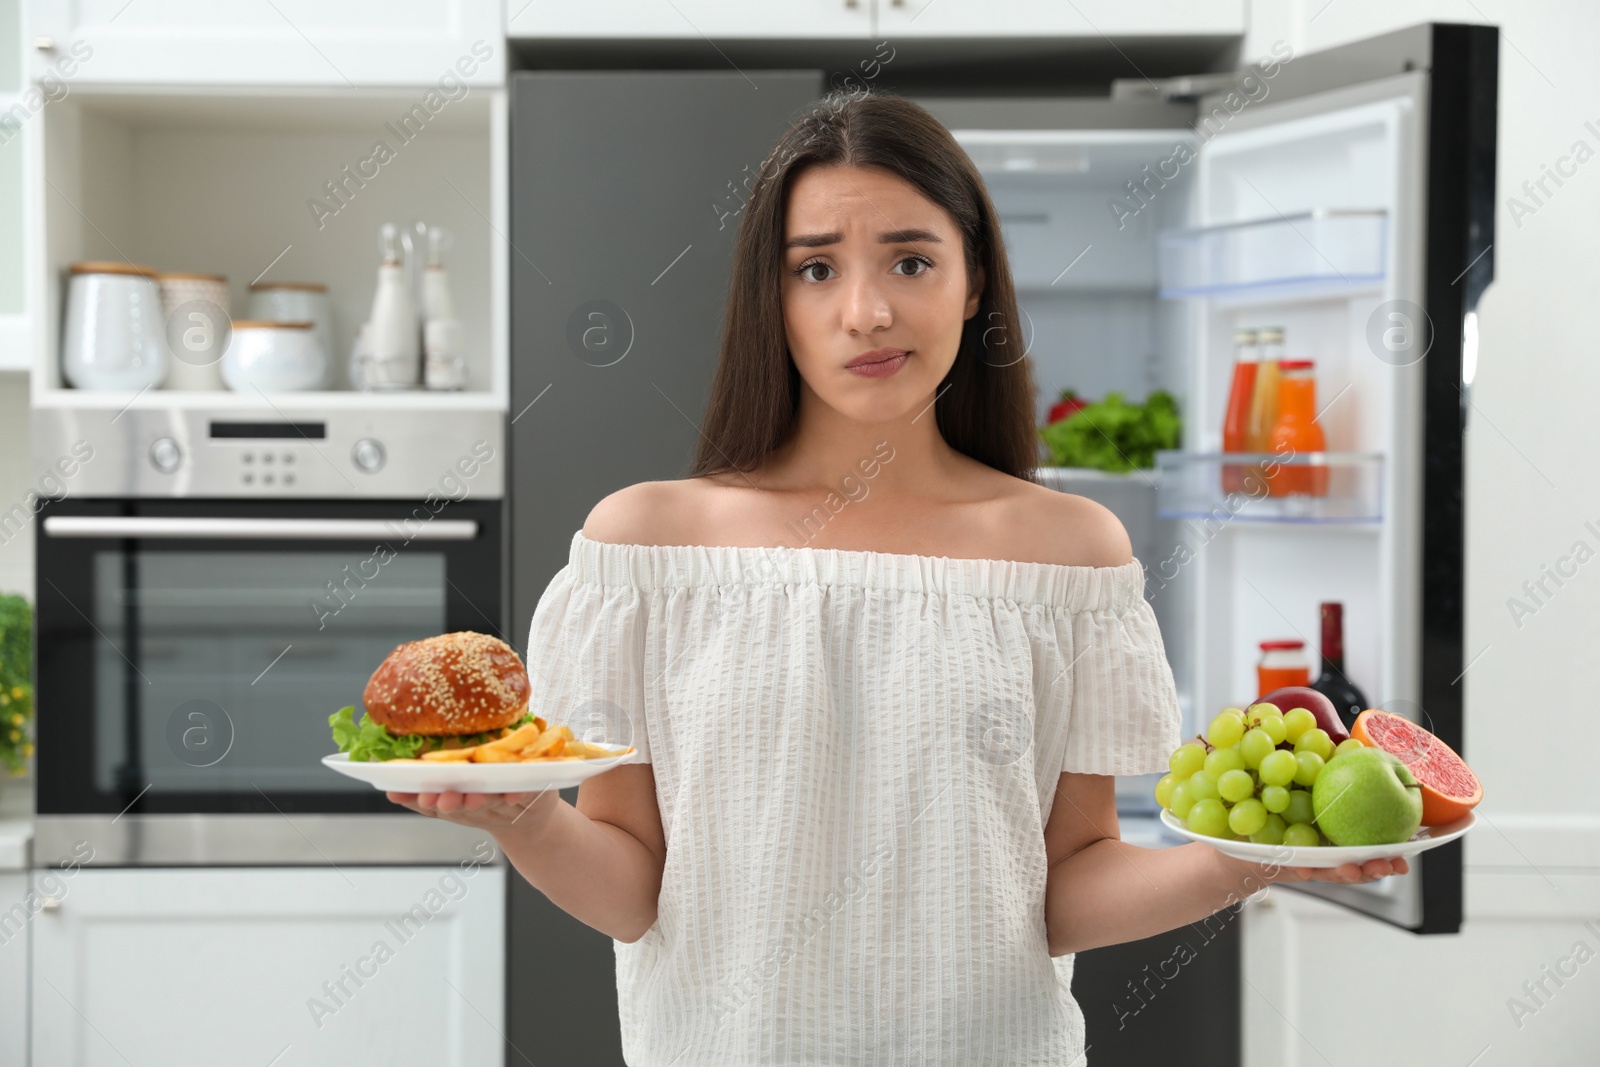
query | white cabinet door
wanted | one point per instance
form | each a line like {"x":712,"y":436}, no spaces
{"x":1322,"y":985}
{"x":1038,"y":18}
{"x":689,"y":18}
{"x":345,"y":43}
{"x":16,"y":920}
{"x":288,"y":966}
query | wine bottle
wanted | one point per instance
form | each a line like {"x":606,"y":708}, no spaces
{"x":1348,"y":701}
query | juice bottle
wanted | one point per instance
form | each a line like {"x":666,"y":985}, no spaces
{"x":1296,"y":432}
{"x":1264,"y":398}
{"x":1283,"y":663}
{"x":1236,"y":419}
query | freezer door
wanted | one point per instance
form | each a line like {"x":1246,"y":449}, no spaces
{"x":626,"y":191}
{"x":1373,"y":165}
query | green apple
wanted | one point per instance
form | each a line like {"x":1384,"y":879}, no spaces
{"x":1366,"y":797}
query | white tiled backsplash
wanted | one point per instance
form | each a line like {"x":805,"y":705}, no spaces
{"x":16,"y":517}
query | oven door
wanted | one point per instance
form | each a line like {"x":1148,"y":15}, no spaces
{"x":190,"y":652}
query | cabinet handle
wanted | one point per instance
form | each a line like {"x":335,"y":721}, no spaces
{"x":50,"y":904}
{"x":45,"y":44}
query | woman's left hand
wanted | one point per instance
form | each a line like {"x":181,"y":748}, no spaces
{"x":1345,"y":873}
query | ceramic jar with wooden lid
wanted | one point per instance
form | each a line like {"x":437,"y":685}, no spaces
{"x":195,"y":307}
{"x":298,"y":302}
{"x":113,"y":337}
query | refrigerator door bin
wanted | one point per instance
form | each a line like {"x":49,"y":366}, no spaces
{"x":1298,"y":256}
{"x":1239,"y":486}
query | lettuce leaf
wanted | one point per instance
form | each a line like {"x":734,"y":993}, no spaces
{"x":369,"y":741}
{"x":1115,"y":435}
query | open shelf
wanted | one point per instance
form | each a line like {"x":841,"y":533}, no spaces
{"x":273,"y":184}
{"x":1066,"y":477}
{"x":1192,"y":485}
{"x":1320,"y":253}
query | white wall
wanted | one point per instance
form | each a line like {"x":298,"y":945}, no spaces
{"x":1351,"y":988}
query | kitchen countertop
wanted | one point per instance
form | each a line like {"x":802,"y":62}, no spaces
{"x":17,"y":808}
{"x":16,"y":823}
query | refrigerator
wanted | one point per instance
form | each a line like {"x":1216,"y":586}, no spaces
{"x":1344,"y":196}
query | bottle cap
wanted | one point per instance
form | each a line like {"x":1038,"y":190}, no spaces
{"x":1271,"y":335}
{"x":1244,"y":337}
{"x":1275,"y":646}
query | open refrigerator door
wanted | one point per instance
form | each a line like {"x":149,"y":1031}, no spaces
{"x":1341,"y":204}
{"x":1308,"y":222}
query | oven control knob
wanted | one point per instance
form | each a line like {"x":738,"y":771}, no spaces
{"x":368,"y":455}
{"x":165,"y":455}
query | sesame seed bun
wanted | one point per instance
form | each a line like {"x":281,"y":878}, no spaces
{"x":460,"y":683}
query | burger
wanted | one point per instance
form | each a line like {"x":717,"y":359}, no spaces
{"x":451,"y":691}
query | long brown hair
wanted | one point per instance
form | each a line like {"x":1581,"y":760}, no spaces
{"x":985,"y":405}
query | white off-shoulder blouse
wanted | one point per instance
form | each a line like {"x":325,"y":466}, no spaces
{"x":855,"y":755}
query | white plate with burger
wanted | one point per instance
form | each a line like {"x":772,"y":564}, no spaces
{"x":450,"y":714}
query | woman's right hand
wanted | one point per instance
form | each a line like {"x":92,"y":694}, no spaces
{"x":494,"y":812}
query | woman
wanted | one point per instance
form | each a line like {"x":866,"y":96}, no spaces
{"x":880,"y":681}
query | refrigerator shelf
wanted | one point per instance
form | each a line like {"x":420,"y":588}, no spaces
{"x":1319,"y":253}
{"x":1061,"y":477}
{"x":1191,"y":486}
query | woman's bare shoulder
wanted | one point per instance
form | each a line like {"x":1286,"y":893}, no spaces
{"x":647,"y":513}
{"x":1045,"y":525}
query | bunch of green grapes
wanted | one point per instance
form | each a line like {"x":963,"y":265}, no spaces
{"x":1250,"y":776}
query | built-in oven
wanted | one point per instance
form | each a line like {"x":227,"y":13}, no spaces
{"x":210,"y":589}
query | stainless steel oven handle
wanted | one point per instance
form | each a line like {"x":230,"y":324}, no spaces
{"x":149,"y":526}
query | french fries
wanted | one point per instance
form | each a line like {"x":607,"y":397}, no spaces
{"x":448,"y":755}
{"x":527,"y":743}
{"x":515,"y":741}
{"x":549,"y":743}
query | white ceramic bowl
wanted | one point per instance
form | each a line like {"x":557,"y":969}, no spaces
{"x":274,"y":357}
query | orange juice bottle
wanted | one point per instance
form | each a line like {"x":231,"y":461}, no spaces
{"x":1296,"y":432}
{"x":1236,"y":419}
{"x":1264,"y":399}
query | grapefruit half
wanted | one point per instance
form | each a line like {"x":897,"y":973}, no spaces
{"x":1449,"y":788}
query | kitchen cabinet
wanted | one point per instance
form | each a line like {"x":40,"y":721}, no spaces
{"x":15,"y":924}
{"x":895,"y":19}
{"x":1036,"y":18}
{"x":1321,"y":985}
{"x":813,"y":19}
{"x":317,"y":965}
{"x":345,"y":43}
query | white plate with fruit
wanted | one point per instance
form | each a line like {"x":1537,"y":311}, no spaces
{"x":1284,"y":782}
{"x":1326,"y":855}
